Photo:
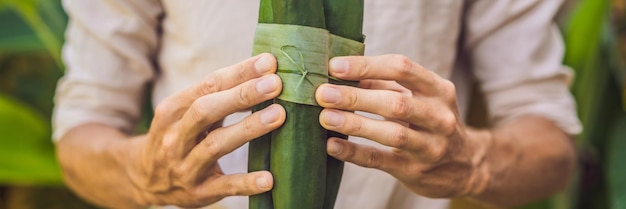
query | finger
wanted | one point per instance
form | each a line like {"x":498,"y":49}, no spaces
{"x":424,"y":113}
{"x":363,"y":155}
{"x":241,"y":184}
{"x":224,"y":140}
{"x":384,"y":132}
{"x":174,"y":107}
{"x":384,"y":85}
{"x":386,"y":67}
{"x":214,"y":107}
{"x":234,"y":75}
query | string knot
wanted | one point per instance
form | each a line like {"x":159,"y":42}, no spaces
{"x":301,"y":67}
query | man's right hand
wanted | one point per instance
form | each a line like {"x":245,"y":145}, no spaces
{"x":176,"y":162}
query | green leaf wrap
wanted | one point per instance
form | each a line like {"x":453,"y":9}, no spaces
{"x":294,"y":31}
{"x":302,"y":53}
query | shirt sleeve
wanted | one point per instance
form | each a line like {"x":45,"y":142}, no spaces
{"x":109,"y":56}
{"x":515,"y":51}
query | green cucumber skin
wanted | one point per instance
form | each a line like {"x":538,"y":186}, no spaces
{"x":258,"y":160}
{"x":302,"y":165}
{"x":298,"y":148}
{"x":298,"y":12}
{"x":259,"y":148}
{"x":343,"y":18}
{"x":265,"y":12}
{"x":298,"y":159}
{"x":334,"y":171}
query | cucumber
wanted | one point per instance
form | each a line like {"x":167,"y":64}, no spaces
{"x":305,"y":177}
{"x":259,"y":148}
{"x":343,"y":18}
{"x":258,"y":160}
{"x":297,"y":149}
{"x":298,"y":157}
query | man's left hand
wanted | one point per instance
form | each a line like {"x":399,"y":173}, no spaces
{"x":430,"y":149}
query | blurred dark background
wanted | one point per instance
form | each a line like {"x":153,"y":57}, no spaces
{"x":31,"y":36}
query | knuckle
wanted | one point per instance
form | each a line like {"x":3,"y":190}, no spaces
{"x":373,"y":158}
{"x":164,"y":109}
{"x":197,"y":112}
{"x":179,"y":173}
{"x":210,"y":84}
{"x":366,"y":68}
{"x":437,"y":153}
{"x":196,"y":195}
{"x":231,"y":189}
{"x":169,"y":152}
{"x":353,"y":100}
{"x":352,"y":127}
{"x":400,"y":137}
{"x":449,"y":91}
{"x":249,"y":126}
{"x":168,"y":146}
{"x":211,"y":146}
{"x":348,"y":153}
{"x":242,"y":69}
{"x":400,"y":107}
{"x":413,"y":170}
{"x":402,"y":64}
{"x":245,"y":98}
{"x":448,"y":123}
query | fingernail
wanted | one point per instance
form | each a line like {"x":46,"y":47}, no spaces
{"x":263,"y":64}
{"x":334,"y":147}
{"x":339,"y":65}
{"x":266,"y":85}
{"x":269,"y":115}
{"x":262,"y":183}
{"x":330,"y":95}
{"x":332,"y":118}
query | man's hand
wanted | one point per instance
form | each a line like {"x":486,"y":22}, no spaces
{"x":178,"y":159}
{"x":176,"y":162}
{"x":430,"y":151}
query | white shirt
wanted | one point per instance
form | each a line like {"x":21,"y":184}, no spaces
{"x":511,"y":49}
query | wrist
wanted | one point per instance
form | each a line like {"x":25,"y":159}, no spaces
{"x":132,"y":149}
{"x":480,"y":175}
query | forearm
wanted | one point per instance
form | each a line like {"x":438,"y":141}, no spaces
{"x":94,"y":159}
{"x":527,"y":159}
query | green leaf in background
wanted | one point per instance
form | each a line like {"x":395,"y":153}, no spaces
{"x":591,"y":51}
{"x":46,"y":31}
{"x":18,"y":37}
{"x":583,"y":36}
{"x":26,"y":156}
{"x":583,"y":32}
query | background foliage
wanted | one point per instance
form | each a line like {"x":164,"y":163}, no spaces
{"x":31,"y":33}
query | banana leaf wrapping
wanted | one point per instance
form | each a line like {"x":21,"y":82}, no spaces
{"x":303,"y":35}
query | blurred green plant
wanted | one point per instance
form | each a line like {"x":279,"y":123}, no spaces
{"x":30,"y":65}
{"x":25,"y":158}
{"x":33,"y":12}
{"x":595,"y":39}
{"x":26,"y":152}
{"x":593,"y":50}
